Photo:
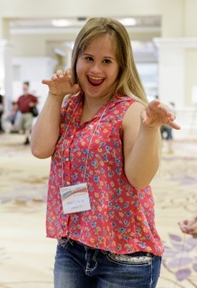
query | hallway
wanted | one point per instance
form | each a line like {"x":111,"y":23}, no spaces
{"x":27,"y":256}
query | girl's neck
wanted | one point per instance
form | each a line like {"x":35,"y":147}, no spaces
{"x":91,"y":106}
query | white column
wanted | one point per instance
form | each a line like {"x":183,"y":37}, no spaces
{"x":171,"y":70}
{"x":6,"y":71}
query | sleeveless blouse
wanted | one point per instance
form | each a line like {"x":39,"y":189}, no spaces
{"x":121,"y":219}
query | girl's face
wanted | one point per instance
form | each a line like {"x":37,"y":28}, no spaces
{"x":97,"y":68}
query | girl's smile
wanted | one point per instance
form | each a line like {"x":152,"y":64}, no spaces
{"x":97,"y":68}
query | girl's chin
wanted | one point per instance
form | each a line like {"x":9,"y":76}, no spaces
{"x":92,"y":92}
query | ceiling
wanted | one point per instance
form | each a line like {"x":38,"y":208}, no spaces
{"x":142,"y":22}
{"x":141,"y":30}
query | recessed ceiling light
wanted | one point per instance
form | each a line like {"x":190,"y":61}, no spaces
{"x":61,"y":22}
{"x":128,"y":21}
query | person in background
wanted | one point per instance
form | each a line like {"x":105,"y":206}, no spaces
{"x":189,"y":226}
{"x":104,"y":141}
{"x":12,"y":117}
{"x":1,"y":112}
{"x":25,"y":102}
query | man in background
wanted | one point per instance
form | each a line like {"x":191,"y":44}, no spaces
{"x":25,"y":103}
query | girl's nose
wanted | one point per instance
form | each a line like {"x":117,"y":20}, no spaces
{"x":95,"y":68}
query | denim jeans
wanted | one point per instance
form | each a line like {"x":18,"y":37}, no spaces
{"x":79,"y":266}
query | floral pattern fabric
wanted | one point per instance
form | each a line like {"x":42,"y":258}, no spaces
{"x":121,"y":219}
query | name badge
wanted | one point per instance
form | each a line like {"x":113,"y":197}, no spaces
{"x":75,"y":198}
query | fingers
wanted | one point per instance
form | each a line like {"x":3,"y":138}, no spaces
{"x":170,"y":117}
{"x":192,"y":230}
{"x":174,"y":125}
{"x":165,"y":109}
{"x":184,"y":222}
{"x":45,"y":81}
{"x":64,"y":75}
{"x":184,"y":229}
{"x":69,"y":73}
{"x":58,"y":75}
{"x":61,"y":83}
{"x":156,"y":106}
{"x":188,"y":226}
{"x":158,"y":114}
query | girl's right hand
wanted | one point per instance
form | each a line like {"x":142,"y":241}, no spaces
{"x":60,"y":84}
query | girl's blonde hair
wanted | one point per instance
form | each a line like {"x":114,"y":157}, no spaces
{"x":128,"y":82}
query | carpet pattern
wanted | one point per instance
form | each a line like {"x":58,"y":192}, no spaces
{"x":27,"y":256}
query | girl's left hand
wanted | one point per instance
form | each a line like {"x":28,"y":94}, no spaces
{"x":157,"y":114}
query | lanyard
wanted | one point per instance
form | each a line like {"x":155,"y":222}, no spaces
{"x":93,"y":134}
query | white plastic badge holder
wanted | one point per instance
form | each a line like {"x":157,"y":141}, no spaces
{"x":75,"y":198}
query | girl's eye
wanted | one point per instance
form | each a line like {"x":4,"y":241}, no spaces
{"x":88,"y":58}
{"x":107,"y":61}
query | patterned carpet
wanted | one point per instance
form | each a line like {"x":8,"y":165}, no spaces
{"x":27,"y":256}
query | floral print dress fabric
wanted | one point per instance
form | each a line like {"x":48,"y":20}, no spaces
{"x":121,"y":219}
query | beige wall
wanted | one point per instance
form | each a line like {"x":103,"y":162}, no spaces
{"x":178,"y":21}
{"x":190,"y":29}
{"x":178,"y":16}
{"x":190,"y":75}
{"x":29,"y":45}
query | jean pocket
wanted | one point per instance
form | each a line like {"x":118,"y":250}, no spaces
{"x":64,"y":242}
{"x":131,"y":259}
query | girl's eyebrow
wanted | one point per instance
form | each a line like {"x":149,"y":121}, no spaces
{"x":105,"y":57}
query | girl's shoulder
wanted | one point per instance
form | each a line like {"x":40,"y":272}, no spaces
{"x":127,"y":101}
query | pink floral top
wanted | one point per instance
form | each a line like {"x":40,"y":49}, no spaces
{"x":121,"y":219}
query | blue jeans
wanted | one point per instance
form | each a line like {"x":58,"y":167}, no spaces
{"x":79,"y":266}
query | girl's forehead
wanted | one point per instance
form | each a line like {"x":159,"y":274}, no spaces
{"x":104,"y":42}
{"x":100,"y":39}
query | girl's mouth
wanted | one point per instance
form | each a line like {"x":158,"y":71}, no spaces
{"x":95,"y":81}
